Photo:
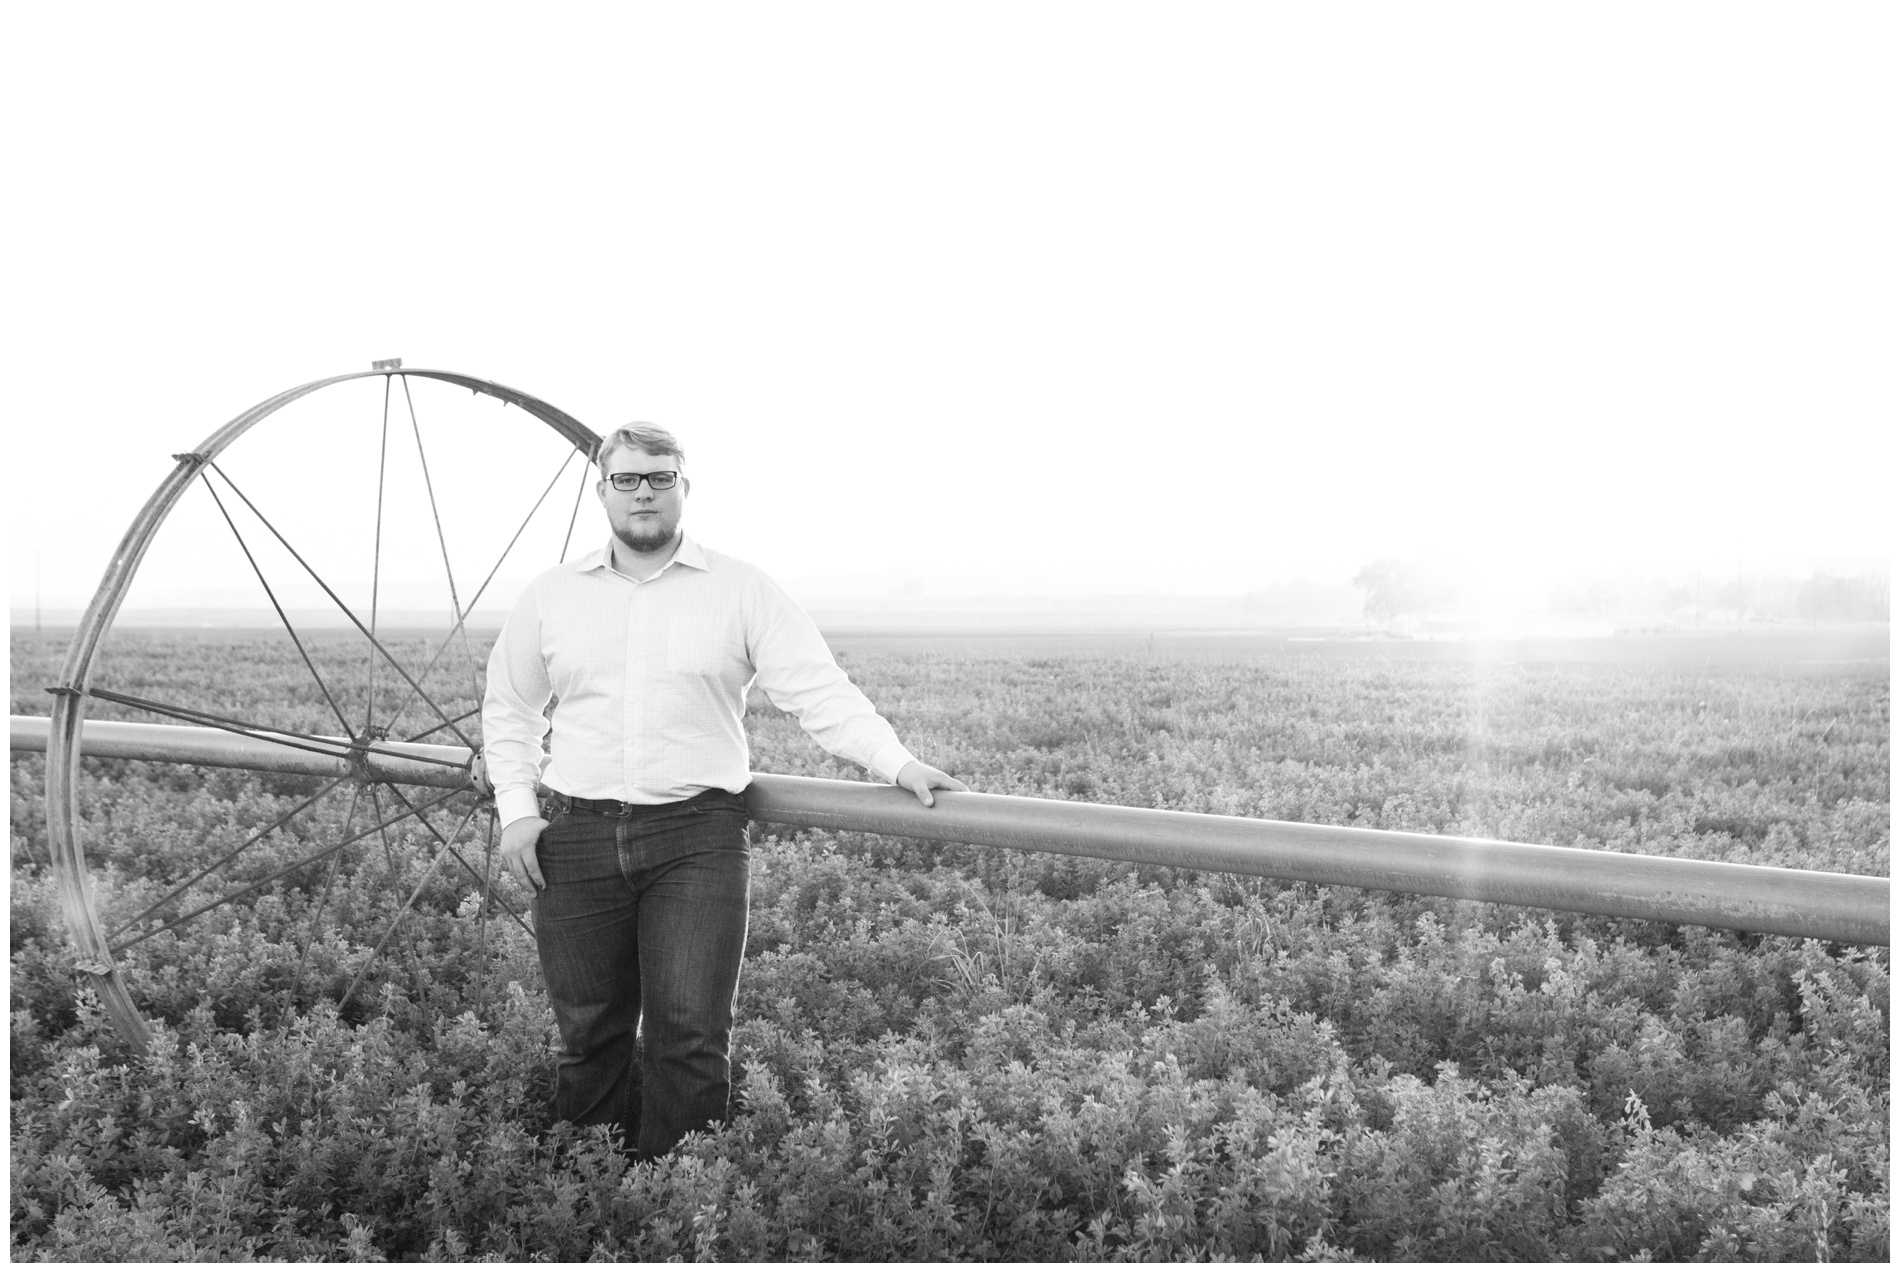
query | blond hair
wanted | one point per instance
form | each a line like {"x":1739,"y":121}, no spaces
{"x":639,"y":436}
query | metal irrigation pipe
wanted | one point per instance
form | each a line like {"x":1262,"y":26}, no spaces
{"x":1764,"y":899}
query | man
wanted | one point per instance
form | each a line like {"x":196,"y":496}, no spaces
{"x":648,"y":647}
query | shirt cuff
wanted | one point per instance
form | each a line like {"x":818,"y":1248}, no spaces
{"x":515,"y":803}
{"x":889,"y":760}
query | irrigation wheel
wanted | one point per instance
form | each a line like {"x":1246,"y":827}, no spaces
{"x":325,"y":521}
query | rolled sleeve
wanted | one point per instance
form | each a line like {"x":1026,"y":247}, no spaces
{"x":514,"y":712}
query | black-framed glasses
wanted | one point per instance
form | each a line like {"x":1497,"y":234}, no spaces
{"x":661,"y":481}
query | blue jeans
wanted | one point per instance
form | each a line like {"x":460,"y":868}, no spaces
{"x":641,"y":928}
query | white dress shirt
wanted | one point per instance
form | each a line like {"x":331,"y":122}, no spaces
{"x":651,"y":679}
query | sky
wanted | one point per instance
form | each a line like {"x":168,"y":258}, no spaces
{"x":953,"y":299}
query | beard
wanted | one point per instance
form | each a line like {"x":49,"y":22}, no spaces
{"x":647,"y":541}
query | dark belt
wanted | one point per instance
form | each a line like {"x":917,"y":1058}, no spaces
{"x":607,"y":808}
{"x":619,"y":808}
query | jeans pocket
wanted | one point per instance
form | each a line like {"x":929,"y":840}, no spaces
{"x":723,"y":803}
{"x":721,"y":823}
{"x":563,"y":831}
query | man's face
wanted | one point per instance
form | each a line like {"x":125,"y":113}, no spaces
{"x":643,"y":519}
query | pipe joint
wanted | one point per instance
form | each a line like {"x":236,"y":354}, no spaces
{"x":360,"y":745}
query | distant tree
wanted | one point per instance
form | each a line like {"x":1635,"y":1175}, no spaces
{"x":1831,"y":597}
{"x":1385,"y":584}
{"x":1583,"y":596}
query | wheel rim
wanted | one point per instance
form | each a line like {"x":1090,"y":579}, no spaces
{"x":98,"y":944}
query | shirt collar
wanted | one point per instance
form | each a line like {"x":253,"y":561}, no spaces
{"x":689,"y":553}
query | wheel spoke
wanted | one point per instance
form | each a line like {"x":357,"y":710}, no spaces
{"x":461,"y":619}
{"x":488,"y":891}
{"x":449,"y":844}
{"x":316,"y":916}
{"x":338,"y":748}
{"x":143,"y":915}
{"x":416,"y":738}
{"x":575,"y":515}
{"x":404,"y":912}
{"x":347,"y":612}
{"x":294,"y":638}
{"x":376,"y":560}
{"x":389,"y":856}
{"x":519,"y":530}
{"x":252,"y":887}
{"x":442,"y":540}
{"x":317,"y":743}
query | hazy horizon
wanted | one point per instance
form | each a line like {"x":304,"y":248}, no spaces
{"x":1645,"y":602}
{"x":970,"y":586}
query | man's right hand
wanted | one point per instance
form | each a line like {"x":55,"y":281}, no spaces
{"x":517,"y":850}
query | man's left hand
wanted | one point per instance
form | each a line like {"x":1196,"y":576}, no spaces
{"x":920,"y":778}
